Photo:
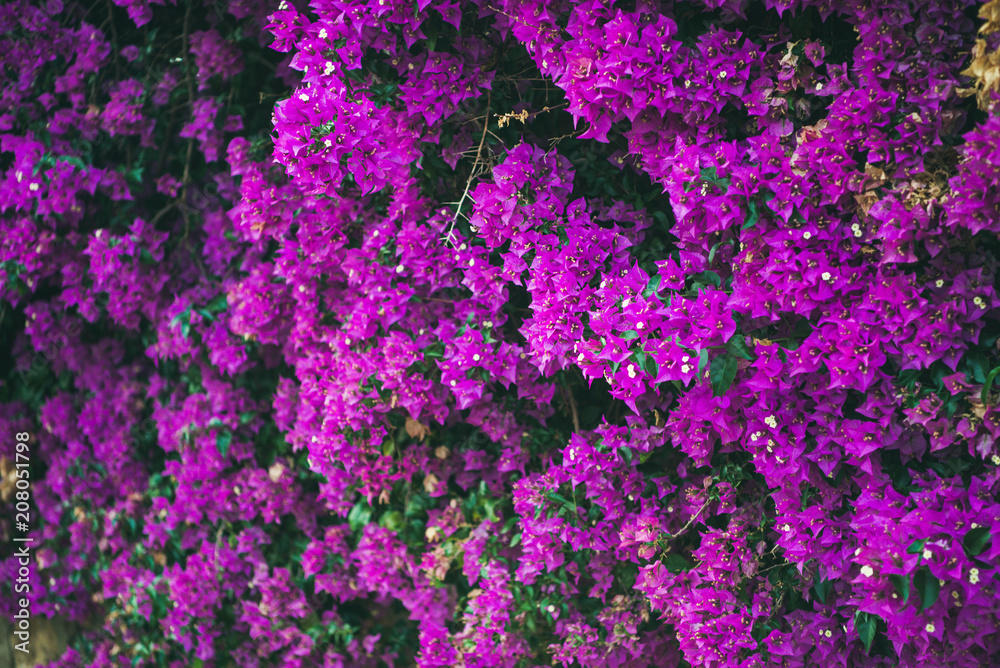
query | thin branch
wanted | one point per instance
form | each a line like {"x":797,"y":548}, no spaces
{"x":186,"y":180}
{"x":197,"y":260}
{"x":693,"y":518}
{"x":771,"y":568}
{"x":476,"y":168}
{"x":162,"y":212}
{"x":215,"y":558}
{"x":114,"y":37}
{"x":512,"y":116}
{"x":571,"y":402}
{"x":461,"y":200}
{"x":556,"y":140}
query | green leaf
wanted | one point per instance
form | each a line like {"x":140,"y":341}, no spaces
{"x":392,"y":520}
{"x":722,"y":374}
{"x":976,"y":540}
{"x":737,"y":346}
{"x":184,"y":320}
{"x":716,"y":246}
{"x":928,"y":587}
{"x":702,"y":361}
{"x":359,"y":515}
{"x":753,"y":216}
{"x":651,"y":367}
{"x":822,"y":590}
{"x":865,"y":624}
{"x":430,"y":29}
{"x":73,"y":160}
{"x":627,"y":454}
{"x":434,"y":351}
{"x":490,"y":506}
{"x":709,"y":174}
{"x":988,"y":385}
{"x":561,"y":499}
{"x":902,"y":585}
{"x":630,"y":334}
{"x":976,"y":365}
{"x":675,"y":563}
{"x":803,"y":329}
{"x":652,"y":287}
{"x":916,"y":547}
{"x":706,"y":278}
{"x":218,"y":304}
{"x":222,"y":442}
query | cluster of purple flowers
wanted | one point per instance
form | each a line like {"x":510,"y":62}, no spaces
{"x":506,"y":332}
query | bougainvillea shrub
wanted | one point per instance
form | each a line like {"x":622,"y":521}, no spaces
{"x":499,"y":333}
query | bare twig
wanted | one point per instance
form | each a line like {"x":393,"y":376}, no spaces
{"x":771,"y":568}
{"x":571,"y":402}
{"x":691,"y":521}
{"x":556,"y":140}
{"x":215,"y":559}
{"x":477,"y":169}
{"x":190,"y":90}
{"x":186,"y":180}
{"x":162,"y":212}
{"x":114,"y":35}
{"x":523,"y":115}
